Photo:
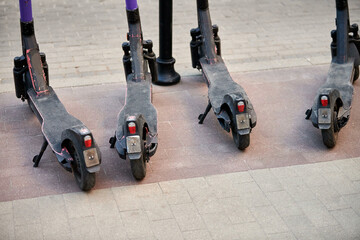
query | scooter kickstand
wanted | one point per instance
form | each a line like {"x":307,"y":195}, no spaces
{"x":37,"y":158}
{"x":203,"y":115}
{"x":112,"y":141}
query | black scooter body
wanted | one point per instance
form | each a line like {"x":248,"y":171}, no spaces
{"x":224,"y":94}
{"x":64,"y":133}
{"x":338,"y":88}
{"x":140,"y":145}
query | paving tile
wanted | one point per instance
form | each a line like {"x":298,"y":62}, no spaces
{"x":110,"y":227}
{"x":279,"y":236}
{"x":177,"y":198}
{"x":250,"y":230}
{"x":196,"y":235}
{"x":187,"y":217}
{"x":31,"y":232}
{"x":317,"y":213}
{"x":7,"y":226}
{"x":126,"y":198}
{"x":26,"y":211}
{"x":166,"y":229}
{"x":6,"y":208}
{"x":334,"y":232}
{"x":352,"y":200}
{"x":302,"y":227}
{"x":137,"y":224}
{"x":349,"y":220}
{"x":156,"y":208}
{"x":236,"y":210}
{"x":77,"y":205}
{"x":269,"y":219}
{"x":284,"y":204}
{"x":266,"y":180}
{"x":220,"y":227}
{"x":84,"y":228}
{"x":330,"y":197}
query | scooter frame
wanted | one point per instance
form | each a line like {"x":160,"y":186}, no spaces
{"x":228,"y":99}
{"x":332,"y":105}
{"x":71,"y":141}
{"x":136,"y":135}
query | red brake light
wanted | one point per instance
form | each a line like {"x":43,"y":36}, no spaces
{"x":241,"y":106}
{"x":88,"y":141}
{"x":324,"y":101}
{"x":132,"y":127}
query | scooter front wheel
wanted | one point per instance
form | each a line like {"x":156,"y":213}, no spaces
{"x":330,"y":135}
{"x":84,"y":179}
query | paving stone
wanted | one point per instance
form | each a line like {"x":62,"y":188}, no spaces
{"x":278,"y":236}
{"x":317,"y":213}
{"x":196,"y":235}
{"x":187,"y":217}
{"x":126,"y":198}
{"x":137,"y":224}
{"x":156,"y":208}
{"x":284,"y":204}
{"x":7,"y":226}
{"x":302,"y":227}
{"x":31,"y":232}
{"x":269,"y":219}
{"x":77,"y":205}
{"x":166,"y":229}
{"x":26,"y":211}
{"x":266,"y":180}
{"x":349,"y":220}
{"x":330,"y":197}
{"x":6,"y":208}
{"x":236,"y":210}
{"x":84,"y":228}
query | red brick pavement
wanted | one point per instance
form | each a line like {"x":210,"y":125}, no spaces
{"x":282,"y":136}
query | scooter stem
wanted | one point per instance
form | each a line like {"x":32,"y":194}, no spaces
{"x":131,"y":4}
{"x":26,"y":10}
{"x":342,"y":31}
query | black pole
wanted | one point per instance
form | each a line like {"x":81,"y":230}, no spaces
{"x":165,"y":61}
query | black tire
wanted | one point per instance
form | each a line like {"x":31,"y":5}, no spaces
{"x":356,"y":74}
{"x":330,"y":135}
{"x":138,"y":167}
{"x":84,"y":179}
{"x":241,"y":141}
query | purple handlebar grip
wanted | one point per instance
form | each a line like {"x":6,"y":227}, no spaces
{"x":25,"y":10}
{"x":131,"y":4}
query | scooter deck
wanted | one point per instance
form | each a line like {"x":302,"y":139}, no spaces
{"x":53,"y":117}
{"x":340,"y":77}
{"x":138,"y":102}
{"x":221,"y":84}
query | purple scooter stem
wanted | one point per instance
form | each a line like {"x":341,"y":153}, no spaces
{"x":25,"y":10}
{"x":131,"y":4}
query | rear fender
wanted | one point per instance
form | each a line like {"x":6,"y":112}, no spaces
{"x":91,"y":155}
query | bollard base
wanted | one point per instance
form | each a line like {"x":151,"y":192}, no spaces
{"x":166,"y":72}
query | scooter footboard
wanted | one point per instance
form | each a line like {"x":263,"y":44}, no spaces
{"x":223,"y":91}
{"x":138,"y":106}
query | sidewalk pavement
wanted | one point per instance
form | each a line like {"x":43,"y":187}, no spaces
{"x":313,"y":201}
{"x":286,"y":185}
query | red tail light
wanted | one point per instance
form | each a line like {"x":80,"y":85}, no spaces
{"x":132,"y":127}
{"x":241,"y":106}
{"x":324,"y":101}
{"x":88,"y":141}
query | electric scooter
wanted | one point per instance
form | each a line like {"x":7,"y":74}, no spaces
{"x":331,"y":109}
{"x":136,"y":135}
{"x":71,"y":141}
{"x":228,"y":99}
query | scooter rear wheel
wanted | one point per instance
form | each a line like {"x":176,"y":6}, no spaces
{"x":138,"y":168}
{"x":241,"y":141}
{"x":356,"y":74}
{"x":83,"y":178}
{"x":330,"y":135}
